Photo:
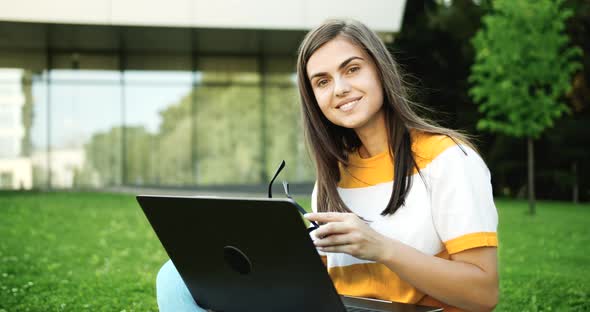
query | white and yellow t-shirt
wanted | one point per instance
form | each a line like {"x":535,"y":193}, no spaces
{"x":451,"y":210}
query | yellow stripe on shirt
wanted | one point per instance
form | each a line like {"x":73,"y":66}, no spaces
{"x":363,"y":172}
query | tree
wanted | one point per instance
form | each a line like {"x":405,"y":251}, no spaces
{"x":433,"y":48}
{"x":103,"y":160}
{"x":523,"y":68}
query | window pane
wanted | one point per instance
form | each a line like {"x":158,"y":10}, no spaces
{"x":39,"y":133}
{"x":228,"y":122}
{"x":229,"y":70}
{"x":85,"y":132}
{"x":228,"y":119}
{"x":158,"y":138}
{"x":16,"y":124}
{"x":286,"y":141}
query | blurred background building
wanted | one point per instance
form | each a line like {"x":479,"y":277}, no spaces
{"x":189,"y":93}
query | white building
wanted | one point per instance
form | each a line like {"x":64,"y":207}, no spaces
{"x":381,"y":15}
{"x":15,"y":171}
{"x":65,"y":162}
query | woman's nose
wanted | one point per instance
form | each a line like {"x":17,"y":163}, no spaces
{"x":341,"y":87}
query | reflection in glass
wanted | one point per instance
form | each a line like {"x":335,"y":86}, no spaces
{"x":15,"y":129}
{"x":228,"y":119}
{"x":39,"y":133}
{"x":158,"y":137}
{"x":85,"y":128}
{"x":228,"y":134}
{"x":286,"y":140}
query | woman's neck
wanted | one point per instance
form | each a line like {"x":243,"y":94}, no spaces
{"x":373,"y":136}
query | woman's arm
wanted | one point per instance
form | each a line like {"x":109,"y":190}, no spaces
{"x":468,"y":281}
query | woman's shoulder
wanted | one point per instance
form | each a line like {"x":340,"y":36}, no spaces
{"x":428,"y":146}
{"x":444,"y":154}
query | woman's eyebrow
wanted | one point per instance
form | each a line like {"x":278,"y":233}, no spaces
{"x":342,"y":65}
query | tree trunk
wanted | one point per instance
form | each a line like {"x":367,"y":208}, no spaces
{"x":531,"y":171}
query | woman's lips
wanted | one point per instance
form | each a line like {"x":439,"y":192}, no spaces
{"x":349,"y":105}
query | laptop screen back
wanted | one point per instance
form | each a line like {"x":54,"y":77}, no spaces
{"x":242,"y":254}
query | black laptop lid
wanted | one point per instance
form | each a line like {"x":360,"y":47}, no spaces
{"x":242,"y":254}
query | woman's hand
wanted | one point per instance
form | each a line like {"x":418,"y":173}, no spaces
{"x":347,"y":233}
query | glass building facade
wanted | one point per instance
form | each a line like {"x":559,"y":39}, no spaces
{"x":86,"y":106}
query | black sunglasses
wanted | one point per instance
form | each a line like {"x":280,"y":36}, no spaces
{"x":314,"y":225}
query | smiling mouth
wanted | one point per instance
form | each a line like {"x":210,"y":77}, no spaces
{"x":349,"y":105}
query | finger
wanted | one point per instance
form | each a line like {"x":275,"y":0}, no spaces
{"x":332,"y":229}
{"x":336,"y":249}
{"x":325,"y":216}
{"x":334,"y":240}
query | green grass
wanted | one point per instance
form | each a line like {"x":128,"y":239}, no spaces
{"x":545,"y":259}
{"x":96,"y":252}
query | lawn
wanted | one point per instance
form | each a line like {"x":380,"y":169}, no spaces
{"x":69,"y":251}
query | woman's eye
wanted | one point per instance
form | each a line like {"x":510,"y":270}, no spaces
{"x":353,"y":69}
{"x":322,"y":83}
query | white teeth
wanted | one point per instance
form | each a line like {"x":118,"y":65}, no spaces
{"x":348,"y":106}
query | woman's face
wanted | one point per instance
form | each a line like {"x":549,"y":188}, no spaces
{"x":346,"y":84}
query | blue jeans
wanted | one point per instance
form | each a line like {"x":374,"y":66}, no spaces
{"x":172,"y":293}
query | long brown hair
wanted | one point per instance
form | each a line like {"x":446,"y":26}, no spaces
{"x":330,"y":144}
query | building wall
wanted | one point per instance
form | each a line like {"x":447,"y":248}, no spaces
{"x":65,"y":163}
{"x":11,"y":102}
{"x":381,"y":15}
{"x":16,"y":173}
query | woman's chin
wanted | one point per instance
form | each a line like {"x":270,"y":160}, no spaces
{"x":351,"y":124}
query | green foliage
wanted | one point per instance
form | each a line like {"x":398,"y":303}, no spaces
{"x":523,"y":66}
{"x":140,"y":148}
{"x":285,"y":140}
{"x":212,"y":135}
{"x":97,"y":252}
{"x":103,"y":160}
{"x":228,"y":124}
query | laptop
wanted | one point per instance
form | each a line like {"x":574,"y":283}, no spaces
{"x":249,"y":254}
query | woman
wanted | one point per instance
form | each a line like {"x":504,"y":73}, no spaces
{"x":430,"y":237}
